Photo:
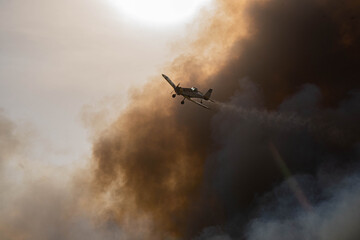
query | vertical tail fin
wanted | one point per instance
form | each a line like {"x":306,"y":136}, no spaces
{"x":208,"y":94}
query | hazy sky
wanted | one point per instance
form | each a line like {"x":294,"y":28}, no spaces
{"x":59,"y":59}
{"x":66,"y":69}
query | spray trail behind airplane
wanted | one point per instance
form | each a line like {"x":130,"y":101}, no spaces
{"x":266,"y":117}
{"x":285,"y":121}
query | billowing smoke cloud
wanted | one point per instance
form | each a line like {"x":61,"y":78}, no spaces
{"x":336,"y":217}
{"x":259,"y":148}
{"x":42,"y":201}
{"x":285,"y":76}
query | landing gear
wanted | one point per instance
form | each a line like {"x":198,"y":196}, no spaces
{"x":183,"y":101}
{"x":174,"y":95}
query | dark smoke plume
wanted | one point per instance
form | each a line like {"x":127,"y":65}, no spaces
{"x":286,"y":78}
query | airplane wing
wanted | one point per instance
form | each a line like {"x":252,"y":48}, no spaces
{"x":169,"y":81}
{"x":198,"y":103}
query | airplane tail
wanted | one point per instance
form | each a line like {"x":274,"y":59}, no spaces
{"x":208,"y":94}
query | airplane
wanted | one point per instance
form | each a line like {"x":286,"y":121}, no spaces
{"x":189,"y":93}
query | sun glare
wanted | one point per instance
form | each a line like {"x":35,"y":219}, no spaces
{"x":159,"y":12}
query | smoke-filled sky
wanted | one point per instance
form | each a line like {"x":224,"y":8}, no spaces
{"x":59,"y":58}
{"x":93,"y":146}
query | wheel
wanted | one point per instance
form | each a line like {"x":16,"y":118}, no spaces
{"x":182,"y":102}
{"x":174,"y":95}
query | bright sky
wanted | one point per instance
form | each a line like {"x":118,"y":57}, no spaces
{"x":63,"y":60}
{"x":159,"y":12}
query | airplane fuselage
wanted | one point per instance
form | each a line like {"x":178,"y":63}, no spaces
{"x":188,"y":92}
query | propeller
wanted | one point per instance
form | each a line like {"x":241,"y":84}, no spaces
{"x":174,"y":89}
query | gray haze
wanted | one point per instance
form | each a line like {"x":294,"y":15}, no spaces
{"x":60,"y":58}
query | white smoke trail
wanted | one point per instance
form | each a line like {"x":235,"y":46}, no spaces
{"x":267,"y":117}
{"x":286,"y":121}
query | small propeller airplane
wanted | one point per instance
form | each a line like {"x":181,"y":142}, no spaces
{"x":189,"y":93}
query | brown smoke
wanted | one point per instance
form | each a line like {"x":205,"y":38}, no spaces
{"x":152,"y":161}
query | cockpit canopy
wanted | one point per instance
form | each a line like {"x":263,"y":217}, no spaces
{"x":194,"y":89}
